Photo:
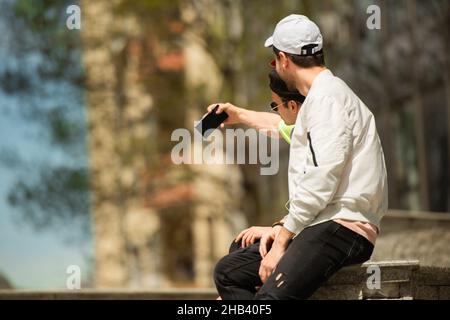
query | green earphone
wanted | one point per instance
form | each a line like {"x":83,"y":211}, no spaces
{"x":286,"y":130}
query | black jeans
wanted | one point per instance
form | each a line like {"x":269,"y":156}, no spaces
{"x":310,"y":259}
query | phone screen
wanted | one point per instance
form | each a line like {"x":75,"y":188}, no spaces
{"x":211,"y":121}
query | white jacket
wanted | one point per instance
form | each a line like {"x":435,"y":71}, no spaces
{"x":336,"y":163}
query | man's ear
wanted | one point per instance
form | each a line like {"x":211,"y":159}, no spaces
{"x":294,"y":106}
{"x":284,"y":60}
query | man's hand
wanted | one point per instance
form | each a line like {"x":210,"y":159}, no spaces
{"x":250,"y":235}
{"x":281,"y":239}
{"x":265,"y":122}
{"x":232,"y":111}
{"x":267,"y":240}
{"x":270,"y":262}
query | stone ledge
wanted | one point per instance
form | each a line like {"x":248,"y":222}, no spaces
{"x":112,"y":294}
{"x":399,"y":280}
{"x":396,"y":271}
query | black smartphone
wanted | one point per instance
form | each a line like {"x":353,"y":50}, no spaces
{"x":211,"y":121}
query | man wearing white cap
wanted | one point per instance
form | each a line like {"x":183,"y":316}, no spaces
{"x":337,"y":180}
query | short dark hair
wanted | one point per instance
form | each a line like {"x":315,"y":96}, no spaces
{"x":278,"y":86}
{"x":315,"y":60}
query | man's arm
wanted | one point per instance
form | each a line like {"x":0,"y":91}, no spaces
{"x":330,"y":142}
{"x":262,"y":121}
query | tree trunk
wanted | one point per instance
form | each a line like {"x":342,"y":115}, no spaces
{"x":386,"y":125}
{"x":418,"y":108}
{"x":118,"y":110}
{"x":98,"y":21}
{"x":446,"y":75}
{"x":218,"y":187}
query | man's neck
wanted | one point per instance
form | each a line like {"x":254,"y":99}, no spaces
{"x":305,"y":77}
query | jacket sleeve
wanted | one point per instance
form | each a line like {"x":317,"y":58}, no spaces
{"x":329,"y":143}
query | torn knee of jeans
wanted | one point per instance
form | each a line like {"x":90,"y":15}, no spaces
{"x":278,"y":278}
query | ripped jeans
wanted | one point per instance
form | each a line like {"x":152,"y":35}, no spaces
{"x":309,"y":261}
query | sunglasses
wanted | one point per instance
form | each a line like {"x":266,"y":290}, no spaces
{"x":274,"y":106}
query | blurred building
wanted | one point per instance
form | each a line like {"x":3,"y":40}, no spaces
{"x":155,"y":224}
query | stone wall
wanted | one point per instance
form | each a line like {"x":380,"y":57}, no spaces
{"x":409,"y":235}
{"x":405,"y":280}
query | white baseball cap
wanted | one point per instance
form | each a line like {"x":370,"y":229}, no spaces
{"x":296,"y":34}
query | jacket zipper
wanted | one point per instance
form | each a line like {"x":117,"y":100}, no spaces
{"x":312,"y":150}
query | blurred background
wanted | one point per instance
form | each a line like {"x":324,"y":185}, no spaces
{"x":86,"y":176}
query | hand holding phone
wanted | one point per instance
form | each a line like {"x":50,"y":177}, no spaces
{"x":212,"y":120}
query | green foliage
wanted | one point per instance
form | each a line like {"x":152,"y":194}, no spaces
{"x":40,"y":27}
{"x":44,"y":58}
{"x":53,"y":198}
{"x":148,"y":7}
{"x":63,"y":130}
